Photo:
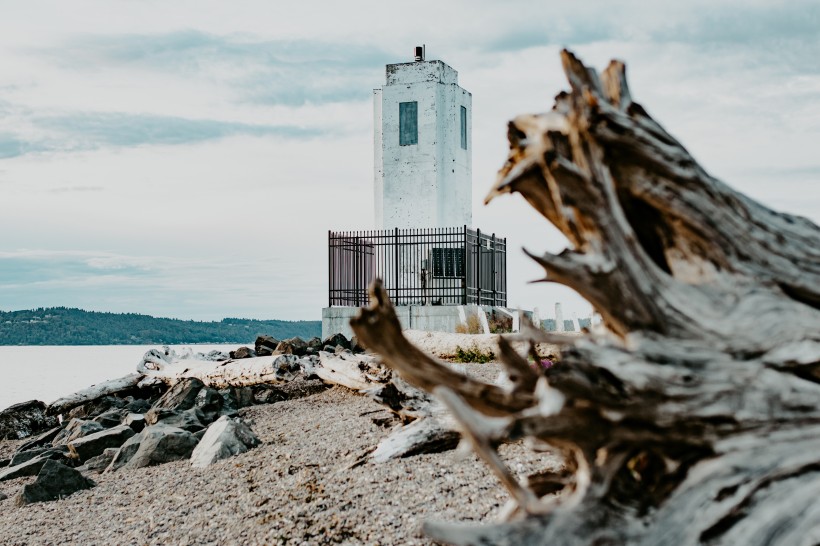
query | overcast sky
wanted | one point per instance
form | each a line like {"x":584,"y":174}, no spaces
{"x":186,"y":159}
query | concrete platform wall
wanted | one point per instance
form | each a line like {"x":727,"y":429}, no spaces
{"x":435,"y":318}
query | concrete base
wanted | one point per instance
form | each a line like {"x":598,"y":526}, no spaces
{"x":431,"y":318}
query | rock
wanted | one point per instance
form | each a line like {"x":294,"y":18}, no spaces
{"x":20,"y":457}
{"x":242,"y":352}
{"x":54,"y":481}
{"x":215,"y":356}
{"x":329,"y":348}
{"x":309,"y":364}
{"x":43,"y":439}
{"x":24,"y":420}
{"x":244,"y":397}
{"x":135,"y":420}
{"x":283,"y":348}
{"x":181,"y":396}
{"x":265,"y":345}
{"x":336,"y":340}
{"x":315,"y":343}
{"x":155,"y":445}
{"x":138,"y":406}
{"x":102,"y":461}
{"x":210,"y":403}
{"x":111,"y":418}
{"x":92,"y":409}
{"x":355,"y":346}
{"x":92,"y":445}
{"x":339,"y":350}
{"x":76,"y":428}
{"x":3,"y":496}
{"x":28,"y":468}
{"x":269,"y":395}
{"x":190,"y":419}
{"x":298,"y":345}
{"x":286,"y":367}
{"x":225,"y":438}
{"x":4,"y":462}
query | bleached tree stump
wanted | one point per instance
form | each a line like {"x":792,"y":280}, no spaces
{"x":694,"y":418}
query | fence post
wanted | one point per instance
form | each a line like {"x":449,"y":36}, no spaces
{"x":465,"y":279}
{"x":492,"y":269}
{"x":396,"y":265}
{"x":478,"y":259}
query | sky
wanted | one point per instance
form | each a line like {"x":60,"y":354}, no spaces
{"x":187,"y":158}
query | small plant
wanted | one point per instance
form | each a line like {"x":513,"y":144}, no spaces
{"x":473,"y":354}
{"x":471,"y":326}
{"x":500,"y":324}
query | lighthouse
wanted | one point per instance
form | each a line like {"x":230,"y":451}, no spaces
{"x":422,"y":147}
{"x":437,"y":269}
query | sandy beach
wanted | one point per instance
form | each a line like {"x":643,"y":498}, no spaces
{"x":298,"y":487}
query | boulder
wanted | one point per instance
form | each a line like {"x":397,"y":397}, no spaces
{"x":210,"y":403}
{"x":269,"y":395}
{"x":54,"y":481}
{"x":286,"y":367}
{"x":298,"y":346}
{"x":111,"y":418}
{"x":336,"y":340}
{"x":43,"y":439}
{"x":315,"y":343}
{"x":138,"y":405}
{"x":46,"y":452}
{"x":244,"y":397}
{"x":76,"y":428}
{"x":190,"y":419}
{"x":94,"y":444}
{"x":242,"y":352}
{"x":265,"y":345}
{"x":102,"y":461}
{"x":225,"y":438}
{"x":181,"y":396}
{"x":135,"y":420}
{"x":155,"y":445}
{"x":28,"y":468}
{"x":356,"y":346}
{"x":92,"y":409}
{"x":283,"y":348}
{"x":24,"y":420}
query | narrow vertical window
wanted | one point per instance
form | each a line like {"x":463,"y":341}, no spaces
{"x":463,"y":128}
{"x":408,"y":123}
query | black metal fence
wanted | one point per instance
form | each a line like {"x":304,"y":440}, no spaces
{"x":440,"y":266}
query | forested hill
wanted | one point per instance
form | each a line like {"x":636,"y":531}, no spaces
{"x":63,"y":326}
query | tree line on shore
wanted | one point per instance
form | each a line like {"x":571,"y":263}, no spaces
{"x":68,"y":326}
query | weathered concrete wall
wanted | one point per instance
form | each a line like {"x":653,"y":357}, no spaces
{"x":427,"y":184}
{"x":431,"y":318}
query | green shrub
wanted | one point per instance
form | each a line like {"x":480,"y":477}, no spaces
{"x":473,"y":354}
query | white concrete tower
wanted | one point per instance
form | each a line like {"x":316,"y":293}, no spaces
{"x":423,"y":147}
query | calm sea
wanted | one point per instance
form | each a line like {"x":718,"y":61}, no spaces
{"x":47,"y":373}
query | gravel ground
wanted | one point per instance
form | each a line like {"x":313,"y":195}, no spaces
{"x":297,"y":488}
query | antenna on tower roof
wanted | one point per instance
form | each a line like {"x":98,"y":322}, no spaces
{"x":419,"y":53}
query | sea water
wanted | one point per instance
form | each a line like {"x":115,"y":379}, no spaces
{"x":49,"y":372}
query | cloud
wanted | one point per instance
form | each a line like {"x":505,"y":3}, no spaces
{"x":83,"y":131}
{"x":283,"y":72}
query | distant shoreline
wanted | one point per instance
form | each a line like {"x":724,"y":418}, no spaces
{"x":61,"y":326}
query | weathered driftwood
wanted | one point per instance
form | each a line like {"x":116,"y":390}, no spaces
{"x":244,"y":372}
{"x":694,"y":418}
{"x":94,"y":392}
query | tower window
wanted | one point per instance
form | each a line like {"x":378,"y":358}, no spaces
{"x":463,"y":128}
{"x":408,"y":123}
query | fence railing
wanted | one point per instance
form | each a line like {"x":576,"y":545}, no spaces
{"x":439,"y":266}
